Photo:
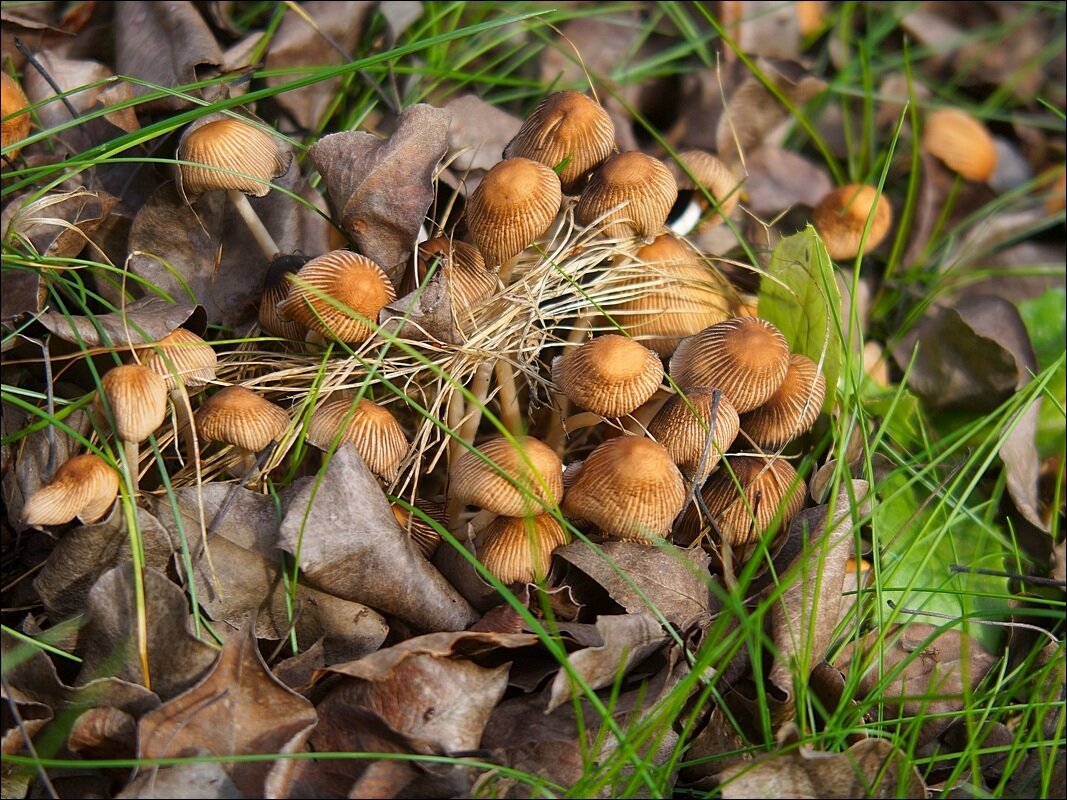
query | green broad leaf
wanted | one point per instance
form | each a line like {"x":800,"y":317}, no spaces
{"x":1045,"y":317}
{"x":799,"y":294}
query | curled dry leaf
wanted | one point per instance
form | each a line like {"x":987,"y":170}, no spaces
{"x":141,"y":322}
{"x":110,"y":643}
{"x":57,"y":225}
{"x":351,"y":546}
{"x":239,"y":708}
{"x":379,"y":190}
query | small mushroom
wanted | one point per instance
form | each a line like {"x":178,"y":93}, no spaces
{"x":15,"y":126}
{"x":519,"y":549}
{"x":137,"y":399}
{"x":423,"y":535}
{"x":184,"y":361}
{"x":239,"y":158}
{"x":238,"y":416}
{"x":461,"y":265}
{"x":701,"y":175}
{"x":793,"y":407}
{"x":569,"y":132}
{"x":629,"y":487}
{"x":841,"y":220}
{"x":275,"y":289}
{"x":609,"y":375}
{"x":338,"y":296}
{"x":516,"y":480}
{"x":371,"y":428}
{"x":630,"y":194}
{"x":746,"y":357}
{"x":84,"y":487}
{"x":514,"y":204}
{"x":684,"y":425}
{"x":961,"y":142}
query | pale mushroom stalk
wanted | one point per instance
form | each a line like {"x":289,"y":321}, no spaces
{"x":510,"y":413}
{"x":480,"y":392}
{"x":255,"y":224}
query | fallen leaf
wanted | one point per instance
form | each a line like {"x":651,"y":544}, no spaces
{"x":202,"y":779}
{"x":142,"y":321}
{"x":57,"y":225}
{"x":239,"y":708}
{"x":778,"y":179}
{"x":478,"y":134}
{"x":380,"y":190}
{"x":348,"y":543}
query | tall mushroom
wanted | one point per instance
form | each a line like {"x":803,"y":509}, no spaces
{"x":136,"y":398}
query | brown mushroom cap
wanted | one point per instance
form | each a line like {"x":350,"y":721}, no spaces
{"x":325,"y":287}
{"x":515,"y":202}
{"x":639,"y":180}
{"x":698,"y":171}
{"x":85,"y":487}
{"x":532,"y":479}
{"x":792,"y":409}
{"x":841,"y":218}
{"x":276,"y":287}
{"x":234,"y":154}
{"x":13,"y":128}
{"x":683,"y":296}
{"x":423,"y":535}
{"x":470,"y":283}
{"x":238,"y":416}
{"x":746,"y":357}
{"x":609,"y":375}
{"x":519,"y":549}
{"x":567,"y":128}
{"x":769,"y":487}
{"x":629,"y":488}
{"x":961,"y":142}
{"x":182,"y":357}
{"x":138,"y":400}
{"x":378,"y":437}
{"x":682,"y":427}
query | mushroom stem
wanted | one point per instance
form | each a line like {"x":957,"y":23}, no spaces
{"x":183,"y":419}
{"x":506,"y":269}
{"x":510,"y":413}
{"x":638,"y":421}
{"x":480,"y":390}
{"x":133,"y":458}
{"x":556,"y":435}
{"x":583,"y":419}
{"x":255,"y":224}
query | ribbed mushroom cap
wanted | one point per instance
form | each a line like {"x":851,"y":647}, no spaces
{"x":372,"y":429}
{"x":841,"y":218}
{"x":566,"y":128}
{"x":682,"y":426}
{"x":746,"y":357}
{"x":710,"y":174}
{"x":138,"y":400}
{"x":962,"y":142}
{"x":422,"y":533}
{"x":610,"y":375}
{"x":633,"y":176}
{"x":629,"y":488}
{"x":252,"y":157}
{"x":326,"y":286}
{"x":519,"y":549}
{"x":532,"y":479}
{"x":276,"y":287}
{"x":768,"y":485}
{"x":792,"y":409}
{"x":515,"y":202}
{"x":182,"y":357}
{"x":685,"y":298}
{"x":470,"y":282}
{"x":85,"y":487}
{"x":238,"y":416}
{"x":12,"y":100}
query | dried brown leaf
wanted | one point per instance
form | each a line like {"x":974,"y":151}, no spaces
{"x":202,"y":780}
{"x":239,"y":708}
{"x":779,"y":179}
{"x":478,"y":133}
{"x":58,"y":225}
{"x":380,"y":189}
{"x":141,"y":322}
{"x":351,"y":546}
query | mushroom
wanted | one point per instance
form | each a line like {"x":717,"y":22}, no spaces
{"x":463,"y":269}
{"x":84,"y":487}
{"x":629,"y":488}
{"x":137,"y":400}
{"x":640,"y":184}
{"x":371,"y":428}
{"x":184,"y":361}
{"x":679,"y":296}
{"x":275,"y":289}
{"x":519,"y":549}
{"x":338,"y":296}
{"x":15,"y":125}
{"x":238,"y":416}
{"x":685,"y":424}
{"x":514,"y":204}
{"x":237,"y":157}
{"x":841,"y":220}
{"x":707,"y":184}
{"x":961,"y":142}
{"x":516,"y":479}
{"x":745,"y":500}
{"x":570,"y":133}
{"x":746,"y":357}
{"x":423,"y":535}
{"x":793,"y":407}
